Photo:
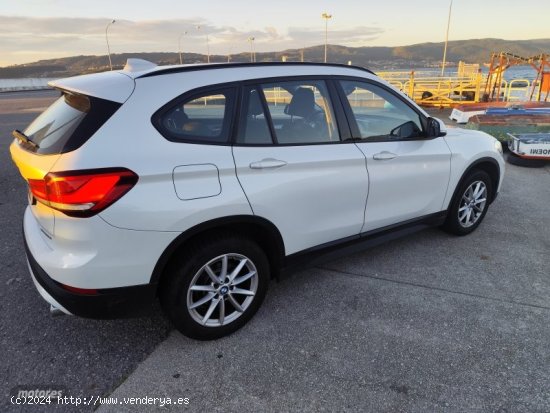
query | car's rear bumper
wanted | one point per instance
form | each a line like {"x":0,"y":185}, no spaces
{"x":104,"y":304}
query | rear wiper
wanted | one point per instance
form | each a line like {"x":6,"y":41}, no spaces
{"x":17,"y":134}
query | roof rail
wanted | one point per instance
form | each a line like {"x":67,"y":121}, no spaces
{"x":190,"y":68}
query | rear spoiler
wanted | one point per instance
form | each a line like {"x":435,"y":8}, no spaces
{"x":113,"y":86}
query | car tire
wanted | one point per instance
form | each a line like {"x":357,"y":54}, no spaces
{"x":468,"y":207}
{"x":193,"y":300}
{"x":513,"y":159}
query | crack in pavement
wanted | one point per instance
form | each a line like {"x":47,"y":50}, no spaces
{"x":429,"y":287}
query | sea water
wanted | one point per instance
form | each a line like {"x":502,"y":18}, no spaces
{"x":31,"y":83}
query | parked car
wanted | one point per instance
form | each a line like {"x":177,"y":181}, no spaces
{"x":197,"y":184}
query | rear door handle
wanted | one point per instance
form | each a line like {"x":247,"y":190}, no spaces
{"x":384,"y":156}
{"x":268,"y":163}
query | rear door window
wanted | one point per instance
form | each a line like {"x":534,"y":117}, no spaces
{"x":301,"y":112}
{"x":69,"y":122}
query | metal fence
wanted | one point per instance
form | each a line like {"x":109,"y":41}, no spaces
{"x":444,"y":91}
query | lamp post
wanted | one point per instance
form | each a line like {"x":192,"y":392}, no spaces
{"x":207,"y":49}
{"x":252,"y":52}
{"x":446,"y":40}
{"x":207,"y":46}
{"x":107,"y":40}
{"x":326,"y":17}
{"x":179,"y":47}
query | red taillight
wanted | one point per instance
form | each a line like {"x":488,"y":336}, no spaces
{"x":83,"y":193}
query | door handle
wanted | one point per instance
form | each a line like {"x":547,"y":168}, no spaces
{"x":384,"y":156}
{"x":268,"y":163}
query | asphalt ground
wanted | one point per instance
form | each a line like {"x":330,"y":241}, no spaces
{"x":86,"y":357}
{"x":427,"y":323}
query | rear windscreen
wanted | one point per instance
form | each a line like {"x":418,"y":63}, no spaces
{"x":69,"y":122}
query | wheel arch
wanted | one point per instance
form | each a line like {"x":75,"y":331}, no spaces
{"x":486,"y":164}
{"x":261,"y":230}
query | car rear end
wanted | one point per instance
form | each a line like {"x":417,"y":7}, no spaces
{"x":81,"y":264}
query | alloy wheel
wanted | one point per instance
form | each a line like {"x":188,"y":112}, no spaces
{"x":472,"y":204}
{"x":222,"y":290}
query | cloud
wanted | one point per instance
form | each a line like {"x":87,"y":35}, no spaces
{"x":23,"y":37}
{"x":353,"y":36}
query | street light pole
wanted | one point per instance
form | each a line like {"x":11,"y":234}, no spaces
{"x":446,"y":40}
{"x":252,"y":53}
{"x":207,"y":46}
{"x":179,"y":47}
{"x":207,"y":49}
{"x":326,"y":16}
{"x":107,"y":39}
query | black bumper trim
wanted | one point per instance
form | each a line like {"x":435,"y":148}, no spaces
{"x":106,"y":304}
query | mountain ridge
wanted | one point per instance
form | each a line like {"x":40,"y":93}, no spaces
{"x":428,"y":54}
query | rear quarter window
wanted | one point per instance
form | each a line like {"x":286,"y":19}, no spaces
{"x":203,"y":117}
{"x":69,"y":122}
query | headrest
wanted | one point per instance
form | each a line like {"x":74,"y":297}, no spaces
{"x":302,"y":103}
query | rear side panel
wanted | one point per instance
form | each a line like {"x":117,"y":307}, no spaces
{"x":166,"y":197}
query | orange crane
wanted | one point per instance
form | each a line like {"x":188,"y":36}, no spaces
{"x":503,"y":60}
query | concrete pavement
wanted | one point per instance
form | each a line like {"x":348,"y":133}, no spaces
{"x":428,"y":323}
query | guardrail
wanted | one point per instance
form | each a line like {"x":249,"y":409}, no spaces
{"x":429,"y":90}
{"x":10,"y":85}
{"x":517,"y":90}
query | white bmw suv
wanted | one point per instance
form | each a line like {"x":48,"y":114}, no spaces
{"x":197,"y":184}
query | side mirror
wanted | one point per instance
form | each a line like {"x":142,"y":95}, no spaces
{"x":436,"y":128}
{"x":406,"y":130}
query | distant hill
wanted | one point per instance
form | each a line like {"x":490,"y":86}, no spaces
{"x":377,"y":58}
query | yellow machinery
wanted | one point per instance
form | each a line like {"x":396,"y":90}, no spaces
{"x":470,"y":85}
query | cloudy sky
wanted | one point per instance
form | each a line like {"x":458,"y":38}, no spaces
{"x":41,"y":29}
